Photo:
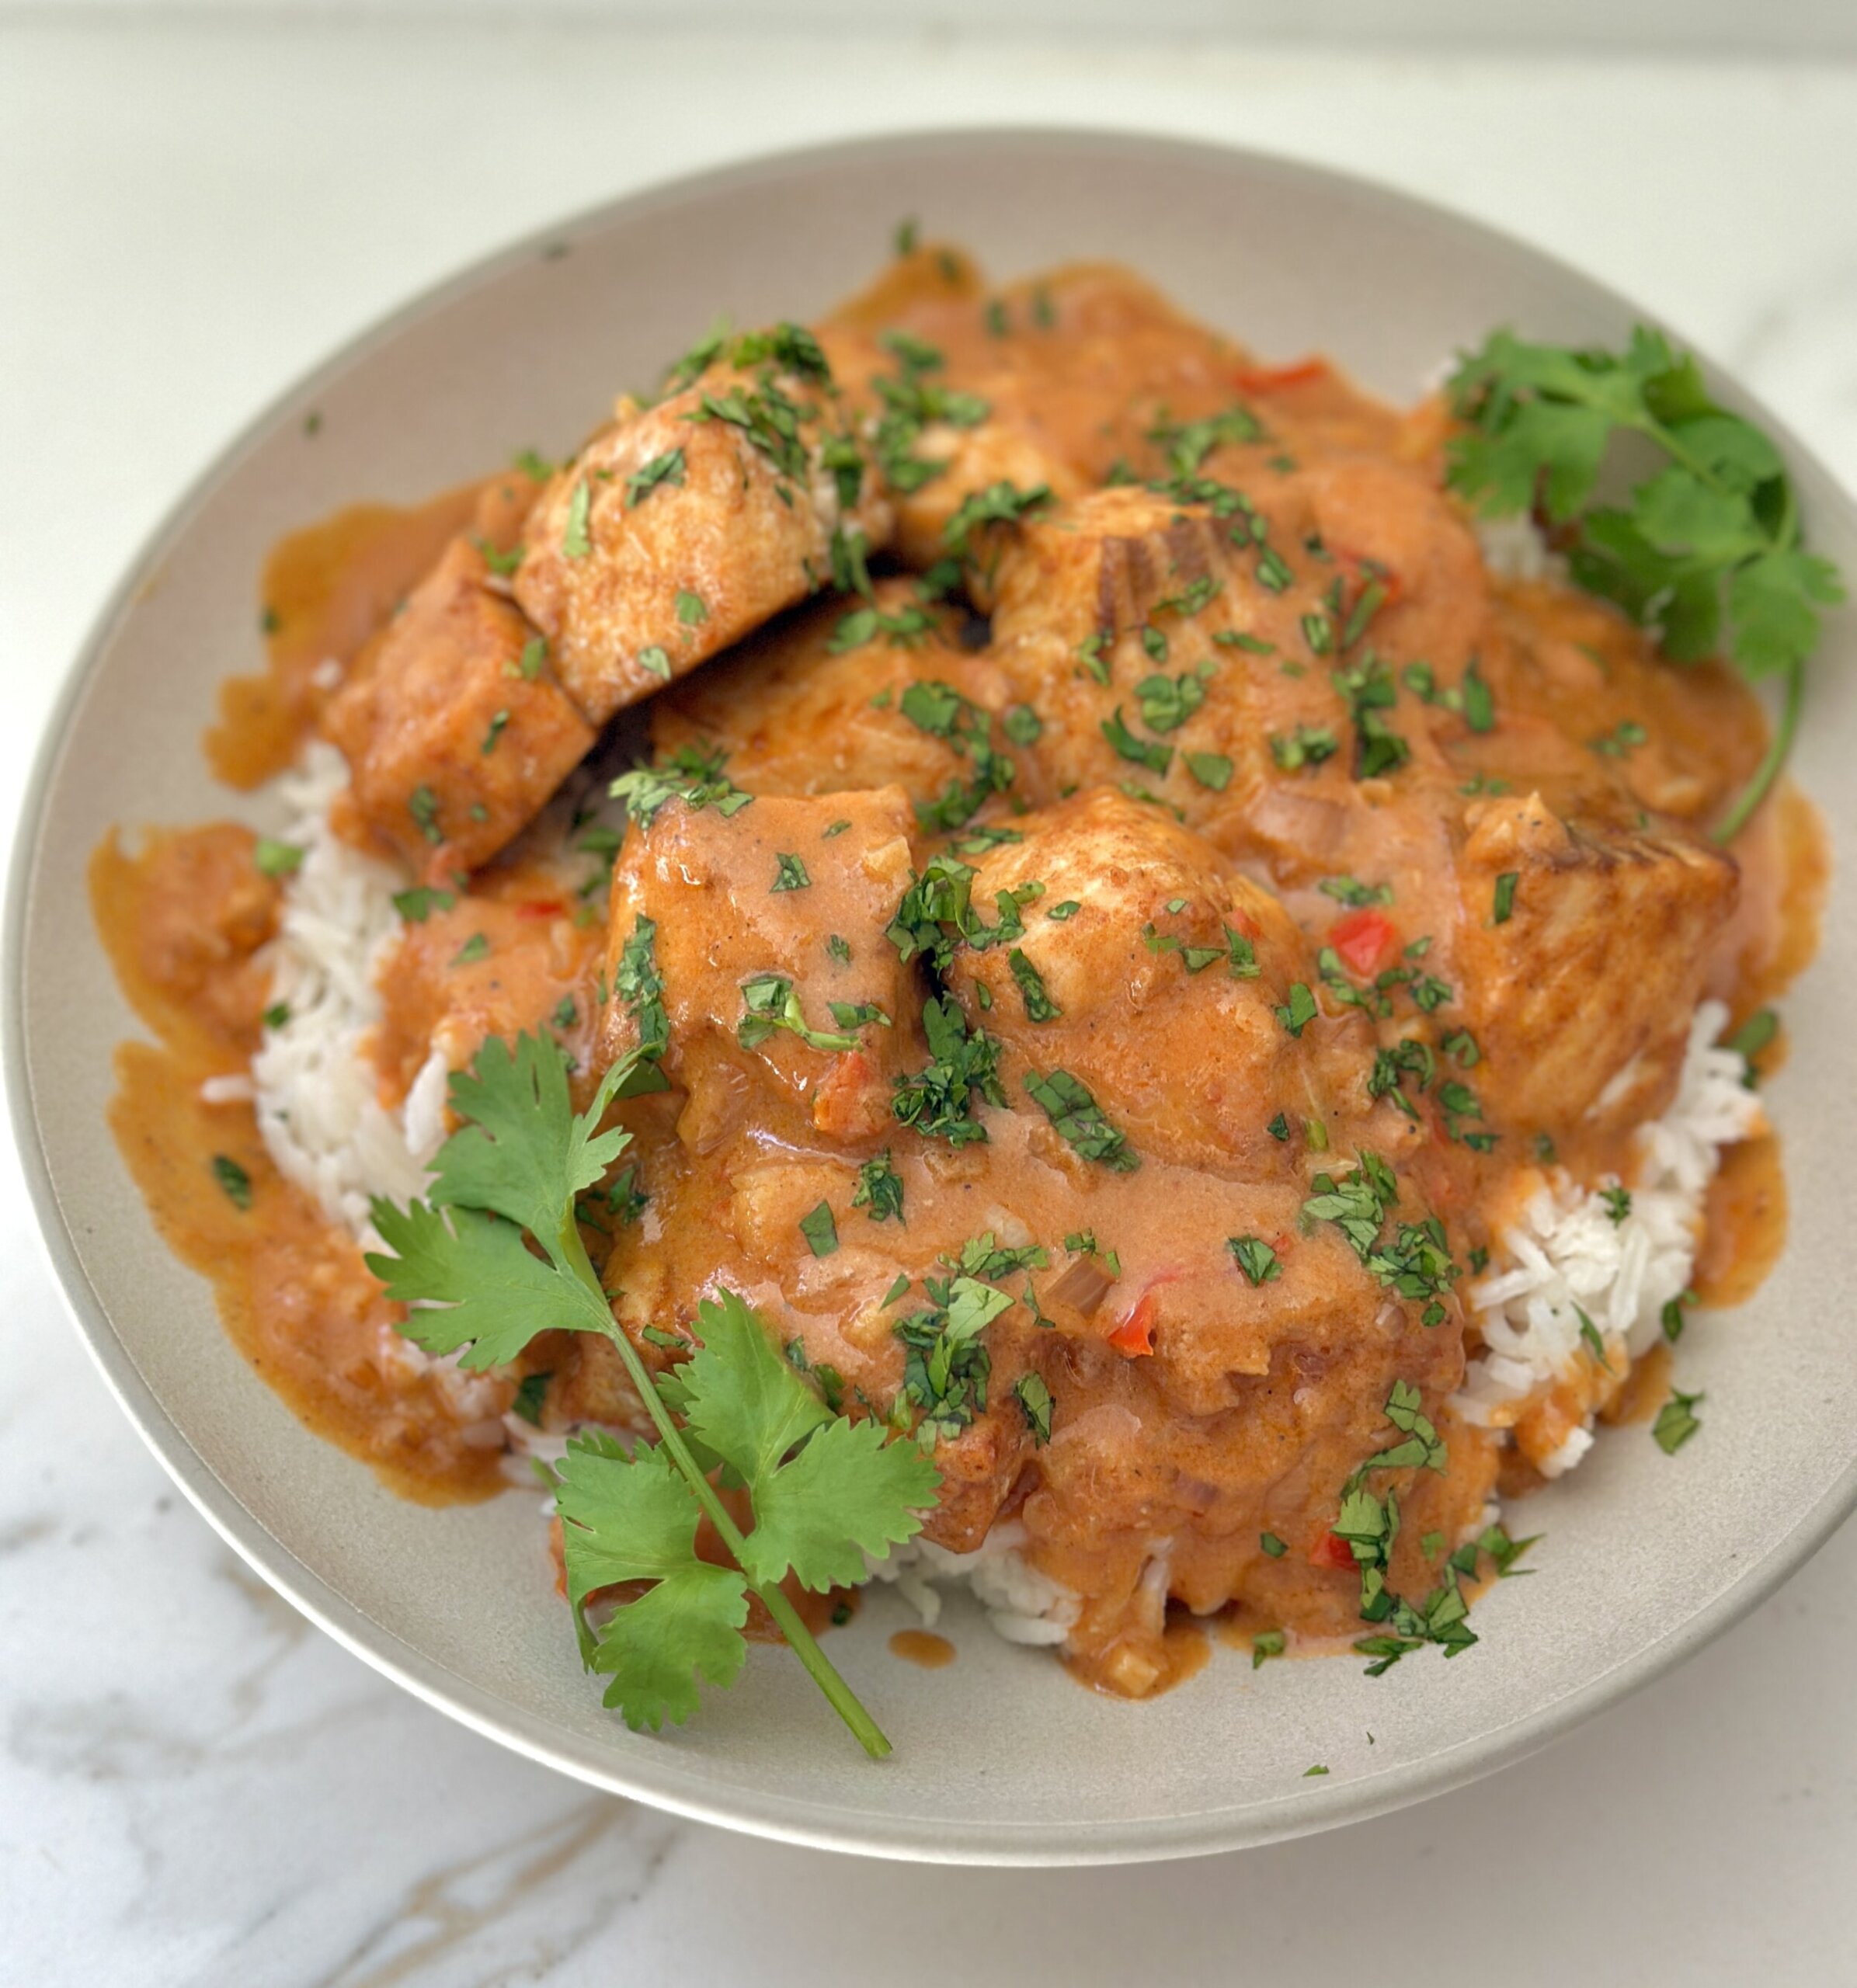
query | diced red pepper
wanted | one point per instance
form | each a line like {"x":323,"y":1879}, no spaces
{"x":1134,"y":1338}
{"x":1274,"y":379}
{"x":1366,"y":939}
{"x":1331,"y":1550}
{"x":1361,"y":573}
{"x":540,"y":908}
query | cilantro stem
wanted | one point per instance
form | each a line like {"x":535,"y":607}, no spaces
{"x":839,"y":1694}
{"x":1767,"y":771}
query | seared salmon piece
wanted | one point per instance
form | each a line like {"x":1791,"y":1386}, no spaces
{"x":1152,"y":973}
{"x":758,"y":938}
{"x":1580,"y":954}
{"x":851,"y":694}
{"x":455,"y":732}
{"x":681,"y":526}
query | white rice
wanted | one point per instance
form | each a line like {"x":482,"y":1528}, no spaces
{"x":313,"y":1085}
{"x":1565,"y":1255}
{"x":313,"y":1080}
{"x":1023,"y":1605}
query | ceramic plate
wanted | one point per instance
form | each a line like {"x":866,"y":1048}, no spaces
{"x":999,"y":1758}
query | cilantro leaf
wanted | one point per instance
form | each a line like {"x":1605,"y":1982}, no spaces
{"x":747,"y":1404}
{"x":848,"y":1492}
{"x":625,"y":1521}
{"x":1079,"y":1121}
{"x":511,"y":1177}
{"x":473,"y":1283}
{"x":1708,"y":551}
{"x":522,"y":1153}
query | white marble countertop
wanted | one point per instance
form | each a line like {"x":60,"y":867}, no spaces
{"x":197,"y":1787}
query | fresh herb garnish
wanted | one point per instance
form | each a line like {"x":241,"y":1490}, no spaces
{"x":999,"y":503}
{"x":820,"y":1231}
{"x":1079,"y":1121}
{"x":1034,"y":1397}
{"x":234,"y":1181}
{"x":938,"y":1102}
{"x":422,"y":901}
{"x":1039,"y":1005}
{"x":278,"y":859}
{"x":665,"y":468}
{"x":531,"y":1392}
{"x":1308,"y":746}
{"x":823,"y":1492}
{"x":770,"y":1002}
{"x":1708,"y":552}
{"x":1149,"y":753}
{"x":575,"y":542}
{"x":1677,"y":1422}
{"x":879,"y":1189}
{"x":1299,"y":1011}
{"x":1256,"y":1258}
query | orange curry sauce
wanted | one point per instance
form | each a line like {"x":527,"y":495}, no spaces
{"x":1192,"y":1409}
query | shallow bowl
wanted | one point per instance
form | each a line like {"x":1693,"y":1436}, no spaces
{"x":999,"y":1758}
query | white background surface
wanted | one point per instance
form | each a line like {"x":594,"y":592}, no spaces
{"x":197,"y":1787}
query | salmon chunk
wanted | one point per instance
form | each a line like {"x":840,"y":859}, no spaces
{"x":681,"y":527}
{"x":851,"y":694}
{"x":1581,"y":954}
{"x":1152,"y":973}
{"x":757,"y":938}
{"x":455,"y":732}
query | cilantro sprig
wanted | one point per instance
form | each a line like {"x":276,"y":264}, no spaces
{"x":495,"y":1256}
{"x":1708,"y":552}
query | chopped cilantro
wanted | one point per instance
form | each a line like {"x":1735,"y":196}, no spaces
{"x":1308,"y":746}
{"x":1299,"y":1011}
{"x":531,"y":1390}
{"x":278,"y":859}
{"x":770,"y":1001}
{"x":1039,"y":1005}
{"x":234,"y":1183}
{"x":423,"y":805}
{"x":1677,"y":1422}
{"x":420,"y":903}
{"x":938,"y":1101}
{"x":1256,"y":1258}
{"x":576,"y":542}
{"x":665,"y":468}
{"x":1147,"y":752}
{"x":1034,"y":1397}
{"x":1079,"y":1121}
{"x":820,"y":1231}
{"x":879,"y":1189}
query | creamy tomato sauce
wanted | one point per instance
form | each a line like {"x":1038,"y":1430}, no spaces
{"x":1232,"y":742}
